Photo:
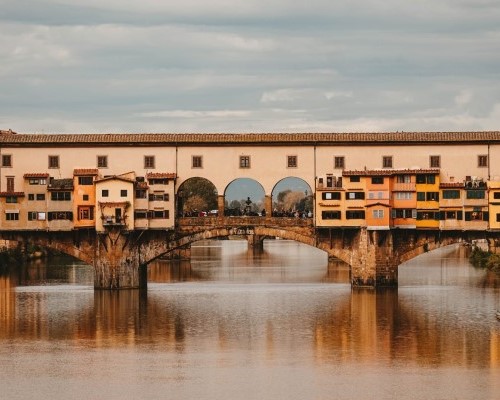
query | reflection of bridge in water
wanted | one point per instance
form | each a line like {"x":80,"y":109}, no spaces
{"x":348,"y":326}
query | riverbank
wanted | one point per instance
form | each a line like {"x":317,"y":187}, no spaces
{"x":485,"y":259}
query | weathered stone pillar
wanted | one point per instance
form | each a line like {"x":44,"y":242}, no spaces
{"x":220,"y":205}
{"x":268,"y":205}
{"x":373,"y":262}
{"x":255,"y":241}
{"x":116,"y":264}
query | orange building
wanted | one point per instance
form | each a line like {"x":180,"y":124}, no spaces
{"x":84,"y":199}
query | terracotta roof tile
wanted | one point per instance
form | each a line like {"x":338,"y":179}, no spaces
{"x":141,"y":185}
{"x":250,"y":138}
{"x":7,"y":194}
{"x":36,"y":175}
{"x":451,"y":185}
{"x":167,"y":175}
{"x":85,"y":171}
{"x":390,"y":172}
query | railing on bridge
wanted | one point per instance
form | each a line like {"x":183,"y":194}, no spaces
{"x":245,"y":221}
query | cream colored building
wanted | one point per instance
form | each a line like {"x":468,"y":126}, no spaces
{"x":223,"y":158}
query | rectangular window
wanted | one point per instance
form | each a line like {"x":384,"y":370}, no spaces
{"x":86,"y":213}
{"x":60,"y":215}
{"x":53,"y":161}
{"x":451,"y":194}
{"x":432,"y":196}
{"x":435,"y":161}
{"x":149,"y":162}
{"x":421,"y":178}
{"x":475,"y":194}
{"x":12,"y":216}
{"x":291,"y":161}
{"x":85,"y":180}
{"x":377,"y":180}
{"x":420,"y":196}
{"x":36,"y":181}
{"x":10,"y":183}
{"x":403,"y":178}
{"x":40,"y":196}
{"x":123,"y":193}
{"x":105,"y":193}
{"x":6,"y":160}
{"x":244,"y":161}
{"x":482,"y":160}
{"x":387,"y":162}
{"x":355,"y":179}
{"x":36,"y":216}
{"x":197,"y":162}
{"x":431,"y":179}
{"x":330,"y":195}
{"x":402,"y":213}
{"x":378,"y":214}
{"x":140,"y":194}
{"x":451,"y":215}
{"x":403,"y":196}
{"x":85,"y":197}
{"x":102,"y":161}
{"x":11,"y":199}
{"x":496,"y":195}
{"x":60,"y":196}
{"x":357,"y":214}
{"x":355,"y":195}
{"x":31,"y":196}
{"x":330,"y":214}
{"x":160,"y":214}
{"x":140,"y":214}
{"x":158,"y":197}
{"x":158,"y":181}
{"x":339,"y":162}
{"x":428,"y":215}
{"x":498,"y":217}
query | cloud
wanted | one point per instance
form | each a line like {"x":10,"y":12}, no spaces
{"x":73,"y":65}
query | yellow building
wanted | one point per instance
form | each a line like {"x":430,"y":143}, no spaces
{"x":427,"y":188}
{"x":494,"y":204}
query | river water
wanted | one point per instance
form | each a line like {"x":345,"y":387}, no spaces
{"x":234,"y":324}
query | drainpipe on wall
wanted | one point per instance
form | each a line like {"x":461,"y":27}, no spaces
{"x":489,"y":162}
{"x":314,"y":189}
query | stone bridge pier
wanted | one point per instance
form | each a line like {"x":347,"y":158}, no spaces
{"x":117,"y":263}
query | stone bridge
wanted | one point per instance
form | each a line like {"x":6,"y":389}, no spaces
{"x":120,"y":258}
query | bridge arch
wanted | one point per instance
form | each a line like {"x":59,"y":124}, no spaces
{"x":56,"y":245}
{"x":224,"y":232}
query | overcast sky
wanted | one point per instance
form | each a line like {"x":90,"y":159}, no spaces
{"x":71,"y":66}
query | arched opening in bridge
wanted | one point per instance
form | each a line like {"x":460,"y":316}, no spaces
{"x":292,"y":197}
{"x":244,"y":196}
{"x":196,"y":197}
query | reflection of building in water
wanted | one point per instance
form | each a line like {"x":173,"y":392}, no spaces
{"x":7,"y":306}
{"x":380,"y":324}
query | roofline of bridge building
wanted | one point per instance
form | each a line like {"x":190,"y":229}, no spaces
{"x":12,"y":139}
